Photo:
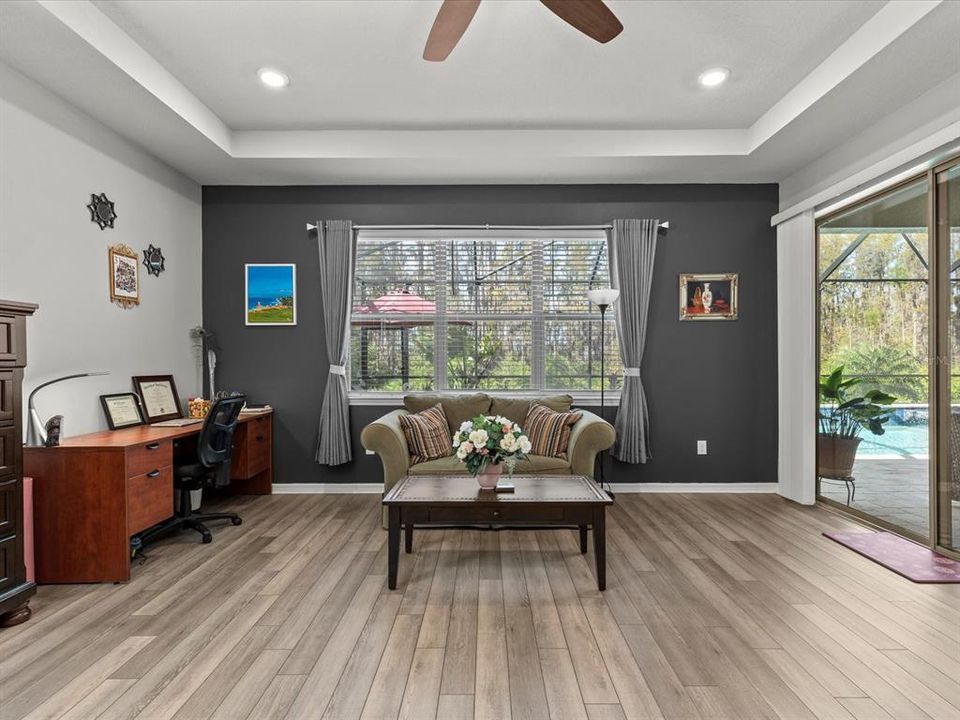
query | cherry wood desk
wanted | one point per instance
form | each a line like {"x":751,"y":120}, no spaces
{"x":93,"y":492}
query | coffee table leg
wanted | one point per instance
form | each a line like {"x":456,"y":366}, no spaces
{"x":408,"y":538}
{"x":600,"y":545}
{"x":393,"y":546}
{"x":583,"y":538}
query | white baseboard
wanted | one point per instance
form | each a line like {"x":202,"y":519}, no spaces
{"x":693,"y":487}
{"x":377,"y":488}
{"x":328,"y":488}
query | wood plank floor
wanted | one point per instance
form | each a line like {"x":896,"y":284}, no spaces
{"x":718,"y":606}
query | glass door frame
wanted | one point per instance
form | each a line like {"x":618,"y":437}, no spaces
{"x":941,"y":529}
{"x":938,"y":365}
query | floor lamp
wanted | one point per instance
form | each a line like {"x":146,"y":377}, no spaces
{"x":603,"y":298}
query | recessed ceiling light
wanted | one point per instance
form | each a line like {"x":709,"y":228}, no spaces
{"x":713,"y":77}
{"x":273,"y":78}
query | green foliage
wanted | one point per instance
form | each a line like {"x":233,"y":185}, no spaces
{"x":852,"y":414}
{"x":893,"y":369}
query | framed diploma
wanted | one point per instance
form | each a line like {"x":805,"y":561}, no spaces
{"x":159,"y":396}
{"x":122,"y":410}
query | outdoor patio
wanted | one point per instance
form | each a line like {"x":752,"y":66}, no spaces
{"x":893,"y":489}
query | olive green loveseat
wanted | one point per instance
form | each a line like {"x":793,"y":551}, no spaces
{"x":588,"y":437}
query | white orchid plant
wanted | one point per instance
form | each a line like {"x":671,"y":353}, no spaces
{"x":489,"y":440}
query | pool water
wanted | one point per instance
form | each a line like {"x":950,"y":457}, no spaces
{"x":898,"y":440}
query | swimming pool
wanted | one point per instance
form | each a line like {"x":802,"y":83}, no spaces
{"x":898,"y":441}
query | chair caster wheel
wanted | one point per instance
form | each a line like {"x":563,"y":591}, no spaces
{"x":236,"y":521}
{"x":208,"y":538}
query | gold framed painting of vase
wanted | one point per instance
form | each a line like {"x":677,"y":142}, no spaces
{"x":709,"y":296}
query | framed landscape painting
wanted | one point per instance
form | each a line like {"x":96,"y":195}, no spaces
{"x":271,"y":294}
{"x":708,"y":297}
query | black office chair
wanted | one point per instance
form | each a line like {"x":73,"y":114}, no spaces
{"x":214,"y":452}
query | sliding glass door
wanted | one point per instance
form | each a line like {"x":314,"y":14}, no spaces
{"x":888,"y":315}
{"x":874,"y":328}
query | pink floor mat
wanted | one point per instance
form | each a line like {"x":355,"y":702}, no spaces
{"x":904,"y":557}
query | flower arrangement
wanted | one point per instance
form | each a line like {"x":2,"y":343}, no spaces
{"x":490,"y":440}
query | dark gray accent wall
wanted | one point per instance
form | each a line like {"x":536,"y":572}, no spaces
{"x":713,"y":381}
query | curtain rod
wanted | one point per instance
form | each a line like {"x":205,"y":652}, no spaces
{"x":665,"y":225}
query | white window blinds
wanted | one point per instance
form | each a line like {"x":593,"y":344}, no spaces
{"x":484,"y":310}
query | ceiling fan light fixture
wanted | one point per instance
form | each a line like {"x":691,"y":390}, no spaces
{"x":273,"y":78}
{"x":713,"y":77}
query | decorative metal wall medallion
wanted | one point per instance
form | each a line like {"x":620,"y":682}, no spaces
{"x":101,"y":211}
{"x":153,"y":260}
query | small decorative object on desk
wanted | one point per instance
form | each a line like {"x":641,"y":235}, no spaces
{"x":198,"y":407}
{"x":53,"y":428}
{"x":488,"y":444}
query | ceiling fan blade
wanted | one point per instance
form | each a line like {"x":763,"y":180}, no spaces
{"x":451,"y":22}
{"x":591,"y":17}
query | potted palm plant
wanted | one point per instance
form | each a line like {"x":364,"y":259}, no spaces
{"x":843,"y":415}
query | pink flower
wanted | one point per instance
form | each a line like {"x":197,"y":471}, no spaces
{"x":468,"y":447}
{"x":506,"y":428}
{"x":484,"y":451}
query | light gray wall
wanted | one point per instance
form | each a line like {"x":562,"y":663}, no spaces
{"x":710,"y":381}
{"x":52,"y":158}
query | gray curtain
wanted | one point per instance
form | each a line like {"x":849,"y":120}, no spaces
{"x":335,"y":241}
{"x":632,"y":245}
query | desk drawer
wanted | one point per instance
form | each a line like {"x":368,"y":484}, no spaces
{"x":149,"y":456}
{"x":513,"y":513}
{"x":252,"y":447}
{"x":149,"y":499}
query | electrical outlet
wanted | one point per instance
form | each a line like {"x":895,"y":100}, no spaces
{"x":701,"y":447}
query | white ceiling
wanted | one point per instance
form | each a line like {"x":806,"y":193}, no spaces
{"x":523,"y":98}
{"x":518,"y":65}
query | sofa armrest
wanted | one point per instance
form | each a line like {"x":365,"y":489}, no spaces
{"x":589,"y":436}
{"x":385,"y":437}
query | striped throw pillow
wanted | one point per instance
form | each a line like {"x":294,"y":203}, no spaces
{"x":428,"y":436}
{"x":549,"y":431}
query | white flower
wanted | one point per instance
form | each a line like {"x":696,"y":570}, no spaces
{"x":508,"y":443}
{"x":466,"y":426}
{"x":479,"y":437}
{"x":524,"y":443}
{"x":461,"y":452}
{"x":456,"y":439}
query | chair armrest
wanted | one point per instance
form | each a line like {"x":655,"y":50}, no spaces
{"x":589,"y":436}
{"x":385,"y":437}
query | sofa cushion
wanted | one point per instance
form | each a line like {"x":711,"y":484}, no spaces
{"x":549,"y":431}
{"x":427,"y":434}
{"x":532,"y":465}
{"x":457,"y":408}
{"x":517,"y":410}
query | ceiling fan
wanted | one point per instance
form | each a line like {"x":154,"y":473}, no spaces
{"x":591,"y":17}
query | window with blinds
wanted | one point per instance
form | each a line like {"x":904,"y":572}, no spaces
{"x":480,"y":311}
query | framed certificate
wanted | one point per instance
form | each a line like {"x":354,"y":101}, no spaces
{"x":159,"y":396}
{"x":122,"y":410}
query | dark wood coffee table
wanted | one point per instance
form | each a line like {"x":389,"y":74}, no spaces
{"x":539,"y":500}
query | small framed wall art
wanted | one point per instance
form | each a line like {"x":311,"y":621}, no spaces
{"x":271,"y":294}
{"x":709,"y":296}
{"x":122,"y":410}
{"x":159,"y":396}
{"x":124,"y":276}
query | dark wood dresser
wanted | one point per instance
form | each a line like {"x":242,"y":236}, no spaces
{"x":15,"y":591}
